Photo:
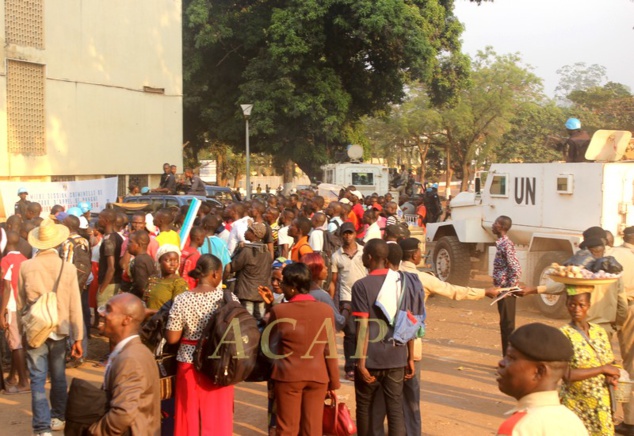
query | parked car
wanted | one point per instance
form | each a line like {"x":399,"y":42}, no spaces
{"x":154,"y":202}
{"x":222,"y":194}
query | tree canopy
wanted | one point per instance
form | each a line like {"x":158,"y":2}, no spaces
{"x":312,"y":68}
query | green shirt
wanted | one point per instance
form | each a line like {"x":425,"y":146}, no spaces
{"x":163,"y":290}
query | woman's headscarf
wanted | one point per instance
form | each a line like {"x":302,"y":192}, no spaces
{"x":168,"y":248}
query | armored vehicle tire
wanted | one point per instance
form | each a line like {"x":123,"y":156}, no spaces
{"x":551,"y":305}
{"x":452,"y":262}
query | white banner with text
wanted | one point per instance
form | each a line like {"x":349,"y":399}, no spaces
{"x":97,"y":192}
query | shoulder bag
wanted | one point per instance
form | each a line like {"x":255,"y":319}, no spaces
{"x":39,"y":318}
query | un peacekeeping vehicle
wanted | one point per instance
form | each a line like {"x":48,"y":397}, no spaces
{"x":366,"y":177}
{"x":550,"y":204}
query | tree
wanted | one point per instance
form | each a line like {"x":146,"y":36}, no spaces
{"x":610,"y":106}
{"x":475,"y":126}
{"x":312,"y":68}
{"x":577,"y":77}
{"x":534,"y":134}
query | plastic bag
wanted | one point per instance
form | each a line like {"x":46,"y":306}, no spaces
{"x":582,"y":258}
{"x":608,"y":264}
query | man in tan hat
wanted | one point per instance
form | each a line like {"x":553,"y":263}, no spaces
{"x":38,"y":277}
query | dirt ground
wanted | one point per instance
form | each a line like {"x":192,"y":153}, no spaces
{"x":459,"y":394}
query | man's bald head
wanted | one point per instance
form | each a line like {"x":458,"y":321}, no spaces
{"x":129,"y":305}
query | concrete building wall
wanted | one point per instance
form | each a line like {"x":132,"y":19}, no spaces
{"x":112,"y":90}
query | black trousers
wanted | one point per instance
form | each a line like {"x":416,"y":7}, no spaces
{"x":506,"y":309}
{"x":390,"y":382}
{"x":349,"y":339}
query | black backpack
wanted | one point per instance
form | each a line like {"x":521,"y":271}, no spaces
{"x":79,"y":252}
{"x":332,"y":242}
{"x":217,"y":352}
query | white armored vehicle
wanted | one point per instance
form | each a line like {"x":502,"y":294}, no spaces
{"x":550,"y":204}
{"x":366,"y":177}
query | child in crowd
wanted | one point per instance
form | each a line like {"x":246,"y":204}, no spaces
{"x":18,"y":380}
{"x":190,"y":255}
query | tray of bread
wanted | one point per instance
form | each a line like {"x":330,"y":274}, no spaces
{"x":578,"y":275}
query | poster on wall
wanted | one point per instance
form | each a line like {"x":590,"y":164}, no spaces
{"x":97,"y":192}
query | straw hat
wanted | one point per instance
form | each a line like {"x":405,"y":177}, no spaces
{"x":48,"y":235}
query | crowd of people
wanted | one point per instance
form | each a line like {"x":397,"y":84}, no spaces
{"x":329,"y":267}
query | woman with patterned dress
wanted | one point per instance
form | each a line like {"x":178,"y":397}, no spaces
{"x":201,"y":406}
{"x":585,"y":388}
{"x":164,"y":288}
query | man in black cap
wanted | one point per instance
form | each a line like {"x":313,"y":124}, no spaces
{"x":536,"y":359}
{"x":624,"y":254}
{"x":395,"y":233}
{"x":609,"y":302}
{"x":347,"y":268}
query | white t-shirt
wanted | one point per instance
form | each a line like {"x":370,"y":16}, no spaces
{"x":316,"y":239}
{"x":373,"y":232}
{"x":283,"y":238}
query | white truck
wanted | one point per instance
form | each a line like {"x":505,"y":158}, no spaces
{"x":550,"y":205}
{"x":366,"y":177}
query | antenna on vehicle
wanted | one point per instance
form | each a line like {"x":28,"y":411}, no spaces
{"x":355,"y":153}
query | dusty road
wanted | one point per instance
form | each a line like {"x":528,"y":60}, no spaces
{"x":459,"y":395}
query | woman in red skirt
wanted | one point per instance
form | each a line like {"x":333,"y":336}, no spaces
{"x":201,"y":406}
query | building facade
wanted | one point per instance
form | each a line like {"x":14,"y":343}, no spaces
{"x":90,"y":88}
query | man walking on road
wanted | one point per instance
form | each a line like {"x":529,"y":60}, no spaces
{"x":38,"y":277}
{"x":506,"y":273}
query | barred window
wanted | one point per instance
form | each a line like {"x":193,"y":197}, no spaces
{"x":24,"y":22}
{"x":26,"y":117}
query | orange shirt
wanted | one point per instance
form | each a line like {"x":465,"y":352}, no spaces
{"x":352,"y":218}
{"x":300,"y":248}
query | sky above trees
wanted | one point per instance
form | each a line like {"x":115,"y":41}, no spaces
{"x":550,"y":34}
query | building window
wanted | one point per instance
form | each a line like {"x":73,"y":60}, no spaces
{"x":139,"y":180}
{"x":26,"y":117}
{"x":24,"y":22}
{"x":63,"y":178}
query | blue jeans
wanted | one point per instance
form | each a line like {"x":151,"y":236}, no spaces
{"x":48,"y":357}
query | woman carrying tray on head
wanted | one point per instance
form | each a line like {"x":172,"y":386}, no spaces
{"x":585,"y":387}
{"x":609,"y":301}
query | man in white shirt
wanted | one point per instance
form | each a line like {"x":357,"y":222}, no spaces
{"x":284,"y":242}
{"x":334,"y":211}
{"x":239,"y":226}
{"x":373,"y":231}
{"x":316,"y":235}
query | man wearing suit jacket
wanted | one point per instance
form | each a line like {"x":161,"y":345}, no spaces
{"x":131,"y":379}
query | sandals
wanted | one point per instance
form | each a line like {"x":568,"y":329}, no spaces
{"x":350,"y":375}
{"x":14,"y":390}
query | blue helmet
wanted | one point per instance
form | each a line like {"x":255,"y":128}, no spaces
{"x":145,"y":190}
{"x":573,"y":124}
{"x":23,"y":190}
{"x":435,"y":186}
{"x":84,"y":206}
{"x":74,"y":211}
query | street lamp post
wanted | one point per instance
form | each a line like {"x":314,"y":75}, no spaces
{"x":246,"y":110}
